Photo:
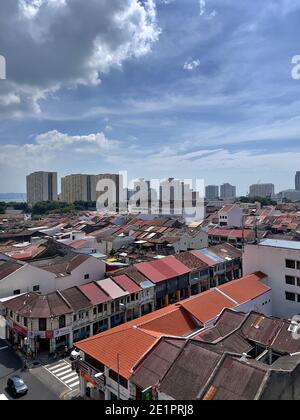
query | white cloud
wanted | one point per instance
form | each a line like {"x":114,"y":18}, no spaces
{"x":58,"y":43}
{"x":191,"y":65}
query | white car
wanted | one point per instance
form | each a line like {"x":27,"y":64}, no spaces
{"x":75,"y":354}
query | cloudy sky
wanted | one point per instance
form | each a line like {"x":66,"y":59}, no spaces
{"x":183,"y":88}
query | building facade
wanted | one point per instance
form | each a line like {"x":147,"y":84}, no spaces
{"x":41,"y":186}
{"x":281,"y":262}
{"x":227,"y":191}
{"x":262,"y":190}
{"x":212,"y":192}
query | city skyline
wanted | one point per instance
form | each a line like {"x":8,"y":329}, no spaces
{"x":200,"y":90}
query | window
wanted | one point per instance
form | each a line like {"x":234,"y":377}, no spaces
{"x":290,"y":280}
{"x":42,"y":324}
{"x":17,"y":292}
{"x":290,"y":296}
{"x":86,"y":276}
{"x":298,"y":281}
{"x":62,"y":321}
{"x":118,"y":378}
{"x":36,"y":288}
{"x":25,"y":322}
{"x":18,"y":318}
{"x":298,"y":298}
{"x":95,"y":311}
{"x":290,"y":264}
{"x":105,"y":307}
{"x":100,"y":308}
{"x":298,"y":265}
{"x":75,"y":318}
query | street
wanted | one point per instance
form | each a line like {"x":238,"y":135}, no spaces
{"x":42,"y":385}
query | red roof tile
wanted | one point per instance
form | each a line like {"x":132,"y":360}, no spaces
{"x":245,"y":289}
{"x":94,"y":293}
{"x":127,"y":284}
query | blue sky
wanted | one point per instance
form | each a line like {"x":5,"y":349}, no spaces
{"x":183,"y":88}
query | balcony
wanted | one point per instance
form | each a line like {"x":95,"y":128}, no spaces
{"x":97,"y":377}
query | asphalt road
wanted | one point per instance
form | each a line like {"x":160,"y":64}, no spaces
{"x":39,"y":382}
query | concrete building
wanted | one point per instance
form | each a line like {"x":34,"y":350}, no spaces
{"x":49,"y":274}
{"x":227,"y":191}
{"x":41,"y":186}
{"x":291,"y":196}
{"x":231,"y":216}
{"x":212,"y":192}
{"x":262,"y":190}
{"x":78,"y":188}
{"x":297,"y":181}
{"x":280,"y":260}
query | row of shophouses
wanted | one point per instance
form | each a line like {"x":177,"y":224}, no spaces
{"x":49,"y":322}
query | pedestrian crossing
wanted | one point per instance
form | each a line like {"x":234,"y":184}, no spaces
{"x":63,"y":372}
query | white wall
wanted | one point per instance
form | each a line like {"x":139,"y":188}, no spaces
{"x":271,"y":261}
{"x":262,"y":304}
{"x":25,"y":278}
{"x":92,"y":266}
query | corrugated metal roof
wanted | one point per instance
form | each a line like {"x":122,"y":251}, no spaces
{"x":127,"y":284}
{"x":93,"y":292}
{"x":112,"y":289}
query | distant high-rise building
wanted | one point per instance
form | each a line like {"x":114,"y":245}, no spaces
{"x":212,"y":192}
{"x":227,"y":191}
{"x":41,"y":186}
{"x":81,"y":187}
{"x":297,"y":181}
{"x":262,"y":190}
{"x":78,"y":188}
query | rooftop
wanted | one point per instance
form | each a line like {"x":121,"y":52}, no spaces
{"x":281,"y":244}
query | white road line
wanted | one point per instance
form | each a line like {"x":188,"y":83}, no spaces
{"x":56,"y":371}
{"x":74,"y":384}
{"x":57,"y":378}
{"x":69,"y":381}
{"x":68,"y":376}
{"x":65,"y":372}
{"x":54,"y":366}
{"x":4,"y":348}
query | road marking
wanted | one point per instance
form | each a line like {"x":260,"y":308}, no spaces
{"x":74,"y":385}
{"x":4,"y":348}
{"x":63,"y":373}
{"x":56,"y":371}
{"x":67,"y":376}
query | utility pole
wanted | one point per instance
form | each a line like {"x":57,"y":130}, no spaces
{"x":118,"y":367}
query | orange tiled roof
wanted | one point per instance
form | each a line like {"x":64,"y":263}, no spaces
{"x":246,"y":288}
{"x":135,"y":338}
{"x":207,"y":305}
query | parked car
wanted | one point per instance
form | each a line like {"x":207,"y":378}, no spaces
{"x":16,"y":386}
{"x":75,"y":354}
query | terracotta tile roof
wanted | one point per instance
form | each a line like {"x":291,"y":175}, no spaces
{"x":133,"y":339}
{"x":127,"y":284}
{"x":178,"y":323}
{"x":245,"y":289}
{"x":207,"y":305}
